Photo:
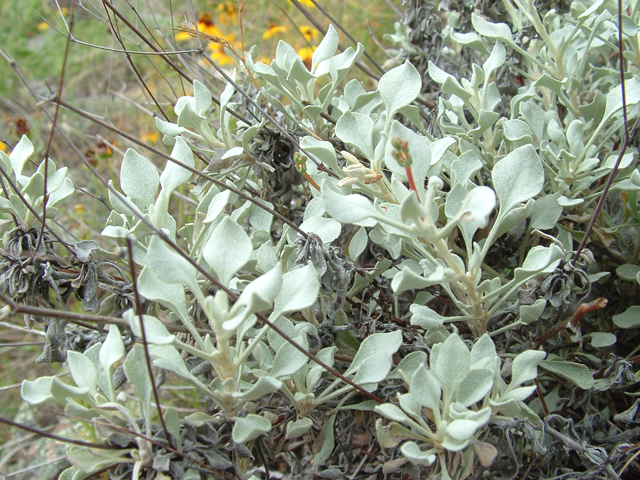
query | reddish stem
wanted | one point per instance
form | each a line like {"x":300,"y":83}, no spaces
{"x":412,"y":183}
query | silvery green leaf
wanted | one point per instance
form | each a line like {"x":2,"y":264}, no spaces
{"x":325,"y":355}
{"x":154,"y":329}
{"x":411,"y":208}
{"x":340,"y":64}
{"x":410,"y":404}
{"x":389,"y":436}
{"x":287,"y":327}
{"x":478,"y":205}
{"x":614,"y":98}
{"x":227,"y":250}
{"x":66,"y":190}
{"x":576,"y":373}
{"x":90,"y":460}
{"x":167,"y":357}
{"x":323,"y":151}
{"x":325,"y":228}
{"x":425,"y":388}
{"x":202,"y":98}
{"x":517,"y":177}
{"x":452,"y":364}
{"x":373,"y":371}
{"x":539,"y":260}
{"x":168,"y":128}
{"x":300,"y":289}
{"x":358,"y":243}
{"x":546,"y":212}
{"x":139,"y":178}
{"x":462,"y":429}
{"x":630,"y":318}
{"x":137,"y":371}
{"x":20,"y":154}
{"x":391,"y":412}
{"x":483,"y":352}
{"x":408,"y":365}
{"x":411,"y":451}
{"x":495,"y":60}
{"x":326,"y":49}
{"x":470,"y":39}
{"x":425,"y":317}
{"x":518,"y":394}
{"x":440,"y":147}
{"x":531,"y":313}
{"x":217,"y":205}
{"x":492,"y":30}
{"x":376,"y":345}
{"x":346,"y":208}
{"x":170,"y":295}
{"x":356,"y":129}
{"x":112,"y":350}
{"x":61,"y":391}
{"x":449,"y":83}
{"x":602,"y":339}
{"x":475,"y":386}
{"x":298,"y":428}
{"x":525,"y":367}
{"x":289,"y":359}
{"x":328,"y":441}
{"x":83,"y":371}
{"x":174,"y":175}
{"x":516,"y":130}
{"x":264,"y":386}
{"x":399,"y":87}
{"x":37,"y":391}
{"x":249,"y":428}
{"x":169,"y":266}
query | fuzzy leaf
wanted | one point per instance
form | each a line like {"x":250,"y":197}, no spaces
{"x":399,"y":87}
{"x":411,"y":451}
{"x":137,"y":371}
{"x":300,"y":289}
{"x":517,"y":177}
{"x":139,"y":179}
{"x":228,"y":250}
{"x":525,"y":367}
{"x":346,"y":208}
{"x":576,"y":373}
{"x":249,"y":428}
{"x":425,"y":388}
{"x":174,"y":175}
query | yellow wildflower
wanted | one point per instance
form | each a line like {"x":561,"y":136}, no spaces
{"x":310,"y":33}
{"x":274,"y":30}
{"x":228,"y":13}
{"x":79,"y":208}
{"x":205,"y":25}
{"x":306,"y":53}
{"x":307,"y":3}
{"x":42,"y":25}
{"x":3,"y":146}
{"x":219,"y":54}
{"x":151,"y":137}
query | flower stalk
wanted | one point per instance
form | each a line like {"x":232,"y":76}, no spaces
{"x":403,"y":157}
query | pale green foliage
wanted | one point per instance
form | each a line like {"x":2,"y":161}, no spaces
{"x":474,"y":178}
